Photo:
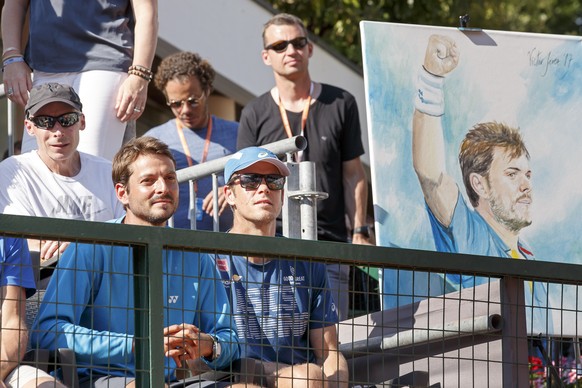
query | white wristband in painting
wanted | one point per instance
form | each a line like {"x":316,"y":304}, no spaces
{"x":429,"y":93}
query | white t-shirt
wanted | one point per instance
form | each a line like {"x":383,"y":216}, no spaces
{"x":28,"y":187}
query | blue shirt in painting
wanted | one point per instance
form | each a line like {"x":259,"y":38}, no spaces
{"x":469,"y":233}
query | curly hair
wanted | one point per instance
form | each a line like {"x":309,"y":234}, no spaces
{"x":476,"y":151}
{"x":181,"y":66}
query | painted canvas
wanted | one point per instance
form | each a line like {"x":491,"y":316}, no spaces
{"x":475,"y":135}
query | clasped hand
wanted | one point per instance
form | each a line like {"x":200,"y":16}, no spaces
{"x":186,"y":342}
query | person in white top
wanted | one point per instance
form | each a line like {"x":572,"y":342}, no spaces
{"x":56,"y":180}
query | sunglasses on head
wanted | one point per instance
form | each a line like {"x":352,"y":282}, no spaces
{"x":281,"y":45}
{"x":48,"y":122}
{"x":253,"y":181}
{"x":192,"y":101}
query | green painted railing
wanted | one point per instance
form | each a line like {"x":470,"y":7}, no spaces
{"x":149,"y":242}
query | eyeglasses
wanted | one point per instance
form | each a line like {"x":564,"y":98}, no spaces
{"x":192,"y":101}
{"x":281,"y":45}
{"x":48,"y":122}
{"x":253,"y":181}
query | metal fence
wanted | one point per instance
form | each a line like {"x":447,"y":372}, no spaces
{"x":479,"y":336}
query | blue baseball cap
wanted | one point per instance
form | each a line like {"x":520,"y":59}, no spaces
{"x":249,"y":156}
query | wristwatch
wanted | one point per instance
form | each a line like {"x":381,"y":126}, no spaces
{"x":216,"y":348}
{"x":364,"y":230}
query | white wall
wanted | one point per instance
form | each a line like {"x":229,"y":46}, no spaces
{"x":228,"y":34}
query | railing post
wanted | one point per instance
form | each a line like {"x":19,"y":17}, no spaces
{"x":514,"y":335}
{"x":149,"y":316}
{"x":215,"y":218}
{"x":306,"y":198}
{"x":290,"y":213}
{"x":11,"y":113}
{"x":192,"y":205}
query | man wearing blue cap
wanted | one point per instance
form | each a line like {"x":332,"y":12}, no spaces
{"x":284,"y":310}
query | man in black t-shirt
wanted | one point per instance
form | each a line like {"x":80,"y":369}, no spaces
{"x":328,"y":118}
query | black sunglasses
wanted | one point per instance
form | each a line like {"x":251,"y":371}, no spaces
{"x":281,"y":45}
{"x":253,"y":181}
{"x":48,"y":122}
{"x":192,"y":101}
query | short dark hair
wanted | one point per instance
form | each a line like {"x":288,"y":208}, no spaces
{"x":130,"y":151}
{"x":183,"y":65}
{"x":283,"y":19}
{"x":476,"y":152}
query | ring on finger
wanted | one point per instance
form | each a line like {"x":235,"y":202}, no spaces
{"x":10,"y":91}
{"x":136,"y":109}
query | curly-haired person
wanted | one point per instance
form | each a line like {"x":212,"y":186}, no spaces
{"x":194,"y":135}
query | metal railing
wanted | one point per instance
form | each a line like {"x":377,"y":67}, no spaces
{"x":10,"y":122}
{"x":371,"y":334}
{"x":299,"y":213}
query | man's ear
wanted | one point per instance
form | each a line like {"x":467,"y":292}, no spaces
{"x":310,"y":49}
{"x":28,"y":125}
{"x":479,"y":184}
{"x":82,"y":119}
{"x":229,"y":195}
{"x":121,"y":192}
{"x":266,"y":58}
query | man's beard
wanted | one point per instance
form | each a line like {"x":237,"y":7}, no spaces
{"x":161,"y":218}
{"x":508,"y":217}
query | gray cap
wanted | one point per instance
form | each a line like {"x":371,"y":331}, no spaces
{"x":44,"y":94}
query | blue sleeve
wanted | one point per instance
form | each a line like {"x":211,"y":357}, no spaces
{"x":464,"y":235}
{"x":71,"y":289}
{"x":16,"y":265}
{"x":323,"y":311}
{"x":217,"y":318}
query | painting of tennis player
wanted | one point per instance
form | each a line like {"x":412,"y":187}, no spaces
{"x":463,"y":125}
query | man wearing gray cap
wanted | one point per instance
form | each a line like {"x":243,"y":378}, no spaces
{"x":56,"y":180}
{"x":283,"y":309}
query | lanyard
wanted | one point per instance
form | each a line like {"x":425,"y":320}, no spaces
{"x":285,"y":119}
{"x":179,"y":127}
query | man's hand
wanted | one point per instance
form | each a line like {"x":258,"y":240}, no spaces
{"x":442,"y":55}
{"x":49,"y":249}
{"x":208,"y":203}
{"x":358,"y":238}
{"x":186,"y":342}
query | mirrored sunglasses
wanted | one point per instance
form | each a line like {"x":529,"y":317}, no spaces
{"x":192,"y":101}
{"x":281,"y":45}
{"x":253,"y":181}
{"x":48,"y":122}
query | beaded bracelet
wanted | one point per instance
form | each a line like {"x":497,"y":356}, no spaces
{"x":147,"y":77}
{"x":142,"y":69}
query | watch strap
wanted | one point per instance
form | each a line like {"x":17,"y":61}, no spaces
{"x":363,"y":230}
